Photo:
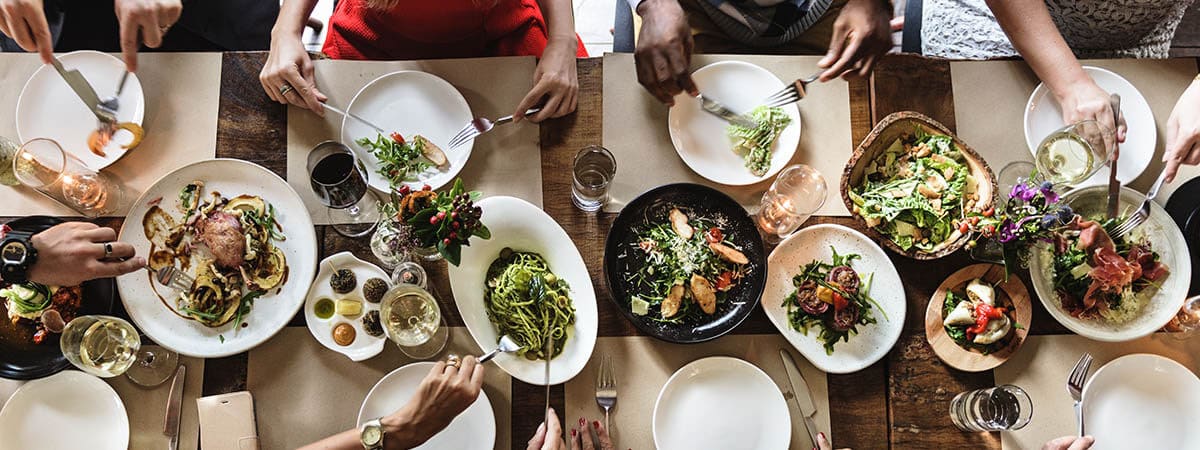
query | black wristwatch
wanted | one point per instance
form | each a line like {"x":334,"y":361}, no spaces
{"x":17,"y":255}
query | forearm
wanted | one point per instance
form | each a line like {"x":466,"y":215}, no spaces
{"x":1035,"y":36}
{"x":560,"y":19}
{"x":400,"y":432}
{"x":293,"y":14}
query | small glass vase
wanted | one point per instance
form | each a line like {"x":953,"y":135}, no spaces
{"x":391,"y":243}
{"x":427,"y":254}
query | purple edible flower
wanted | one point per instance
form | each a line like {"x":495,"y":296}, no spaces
{"x":1023,"y":191}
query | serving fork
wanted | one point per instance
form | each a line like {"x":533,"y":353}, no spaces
{"x":481,"y":125}
{"x":1075,"y":383}
{"x":793,"y":92}
{"x":173,"y":278}
{"x":606,"y":388}
{"x":1143,"y":212}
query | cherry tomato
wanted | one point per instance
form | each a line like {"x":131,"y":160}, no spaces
{"x":839,"y":302}
{"x":989,"y":212}
{"x":714,"y":235}
{"x":398,"y":138}
{"x":962,"y":228}
{"x":724,"y":281}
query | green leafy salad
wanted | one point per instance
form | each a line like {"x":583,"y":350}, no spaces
{"x":917,"y":192}
{"x":401,"y":160}
{"x":832,"y":297}
{"x":755,"y":144}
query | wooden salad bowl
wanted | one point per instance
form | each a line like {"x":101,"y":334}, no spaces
{"x":881,"y":137}
{"x":1009,"y":291}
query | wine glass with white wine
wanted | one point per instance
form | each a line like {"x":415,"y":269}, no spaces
{"x":1075,"y":152}
{"x":413,"y":320}
{"x":107,"y":346}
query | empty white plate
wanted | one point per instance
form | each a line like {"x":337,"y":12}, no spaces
{"x":410,"y":103}
{"x":1142,"y":401}
{"x":1043,"y":116}
{"x":70,"y":409}
{"x":701,"y":138}
{"x":48,"y":108}
{"x":721,"y":403}
{"x":473,"y":429}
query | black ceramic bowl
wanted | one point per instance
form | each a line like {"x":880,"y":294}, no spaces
{"x":653,"y":207}
{"x":20,"y":358}
{"x":1184,"y":207}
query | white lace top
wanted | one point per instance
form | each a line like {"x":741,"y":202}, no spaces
{"x":966,"y":29}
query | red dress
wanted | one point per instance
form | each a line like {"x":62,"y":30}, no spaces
{"x":429,"y":29}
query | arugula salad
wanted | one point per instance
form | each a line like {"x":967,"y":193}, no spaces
{"x":754,"y":144}
{"x":918,"y":192}
{"x":400,"y":160}
{"x":832,"y":297}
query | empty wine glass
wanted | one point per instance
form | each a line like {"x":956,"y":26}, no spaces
{"x":797,"y":193}
{"x":1187,"y":321}
{"x":339,"y":180}
{"x":43,"y":165}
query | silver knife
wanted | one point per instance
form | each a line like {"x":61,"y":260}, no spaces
{"x":1114,"y":185}
{"x":548,"y":349}
{"x":83,"y":89}
{"x":801,"y":394}
{"x":717,"y":109}
{"x":174,"y":403}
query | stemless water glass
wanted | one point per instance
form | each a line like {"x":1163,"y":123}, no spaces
{"x":1075,"y":152}
{"x":1187,"y":320}
{"x":1002,"y":408}
{"x":413,"y":320}
{"x":339,"y":180}
{"x":593,"y":172}
{"x":1011,"y":174}
{"x":797,"y":193}
{"x":43,"y":165}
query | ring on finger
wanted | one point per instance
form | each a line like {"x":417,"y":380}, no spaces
{"x":453,"y":360}
{"x":283,"y":90}
{"x":108,"y":249}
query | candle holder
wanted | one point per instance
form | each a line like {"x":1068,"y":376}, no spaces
{"x":42,"y":164}
{"x":797,"y":193}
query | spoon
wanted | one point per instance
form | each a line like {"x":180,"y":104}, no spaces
{"x":507,"y":345}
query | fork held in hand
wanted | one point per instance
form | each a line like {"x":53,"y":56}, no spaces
{"x":482,"y":125}
{"x":606,"y":388}
{"x":793,"y":92}
{"x":173,"y":278}
{"x":1143,"y":212}
{"x":1075,"y":383}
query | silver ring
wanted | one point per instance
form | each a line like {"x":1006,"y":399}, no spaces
{"x":108,"y":249}
{"x":163,"y":29}
{"x":283,"y":90}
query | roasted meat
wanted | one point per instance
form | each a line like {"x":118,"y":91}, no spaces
{"x":222,"y":233}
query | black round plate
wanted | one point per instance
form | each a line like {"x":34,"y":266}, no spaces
{"x":1184,"y":208}
{"x":652,"y":207}
{"x":21,"y":359}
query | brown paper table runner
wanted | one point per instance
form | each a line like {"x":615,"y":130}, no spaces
{"x":643,"y":365}
{"x":182,"y":92}
{"x":304,"y":392}
{"x":505,"y":161}
{"x":635,"y":131}
{"x":1042,"y":366}
{"x":990,"y":98}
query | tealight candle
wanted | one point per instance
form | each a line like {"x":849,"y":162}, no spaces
{"x":797,"y":193}
{"x":44,"y":166}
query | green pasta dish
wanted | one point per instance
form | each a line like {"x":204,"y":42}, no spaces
{"x":754,"y":144}
{"x":527,"y":302}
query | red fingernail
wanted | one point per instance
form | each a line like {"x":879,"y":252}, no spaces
{"x":821,"y":434}
{"x":582,"y":422}
{"x":596,"y":423}
{"x":572,"y":432}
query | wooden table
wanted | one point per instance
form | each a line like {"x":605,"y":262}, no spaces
{"x":900,"y":402}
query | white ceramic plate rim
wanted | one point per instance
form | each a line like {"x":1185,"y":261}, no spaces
{"x":754,"y":373}
{"x":486,"y":436}
{"x":119,"y":421}
{"x":364,"y":346}
{"x":1136,"y":109}
{"x":885,"y":274}
{"x":132,"y":92}
{"x":1145,"y":362}
{"x":458,"y":157}
{"x":467,"y":282}
{"x":784,"y":147}
{"x":301,"y":247}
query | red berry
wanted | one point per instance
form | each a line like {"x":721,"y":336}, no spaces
{"x":404,"y":190}
{"x":433,"y":220}
{"x":454,"y":225}
{"x":427,"y":188}
{"x":441,"y":215}
{"x":454,"y":214}
{"x":453,"y":235}
{"x":446,"y":241}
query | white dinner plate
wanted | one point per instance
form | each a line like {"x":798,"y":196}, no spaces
{"x":70,"y":409}
{"x":364,"y":346}
{"x":410,"y":103}
{"x":1142,"y":401}
{"x":519,"y":225}
{"x":271,"y":312}
{"x":721,"y":403}
{"x":1043,"y":116}
{"x":473,"y":429}
{"x":873,"y":340}
{"x":701,"y":138}
{"x":48,"y":108}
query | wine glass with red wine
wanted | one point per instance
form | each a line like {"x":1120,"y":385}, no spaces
{"x":339,"y":180}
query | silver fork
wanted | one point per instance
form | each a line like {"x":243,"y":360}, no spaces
{"x":1075,"y":384}
{"x":173,"y":278}
{"x":112,"y":103}
{"x":1143,"y":212}
{"x":793,"y":92}
{"x":606,"y":388}
{"x":481,"y":125}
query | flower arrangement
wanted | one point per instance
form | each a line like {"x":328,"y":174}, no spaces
{"x":443,"y":220}
{"x":1032,"y":214}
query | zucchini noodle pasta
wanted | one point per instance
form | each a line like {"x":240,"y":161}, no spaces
{"x":527,"y":302}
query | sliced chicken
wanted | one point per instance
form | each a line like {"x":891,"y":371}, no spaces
{"x":670,"y":305}
{"x":704,"y":294}
{"x":431,"y":152}
{"x":679,"y":223}
{"x":728,"y":253}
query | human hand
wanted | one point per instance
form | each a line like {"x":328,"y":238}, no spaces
{"x":664,"y":51}
{"x":73,"y":252}
{"x":25,"y":22}
{"x":861,"y":34}
{"x":144,"y":21}
{"x":288,"y":75}
{"x":444,"y":394}
{"x":1084,"y":100}
{"x":554,"y":80}
{"x":1183,"y":131}
{"x":549,"y":428}
{"x":581,"y":438}
{"x":1070,"y":443}
{"x":823,"y":443}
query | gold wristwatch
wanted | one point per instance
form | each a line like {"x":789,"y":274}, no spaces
{"x":371,"y":435}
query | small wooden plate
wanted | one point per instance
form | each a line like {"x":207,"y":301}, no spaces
{"x":1010,"y":291}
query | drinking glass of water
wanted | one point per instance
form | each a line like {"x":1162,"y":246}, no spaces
{"x":339,"y":180}
{"x":797,"y":193}
{"x":1074,"y":153}
{"x":413,"y":320}
{"x":1002,"y":408}
{"x":594,"y":169}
